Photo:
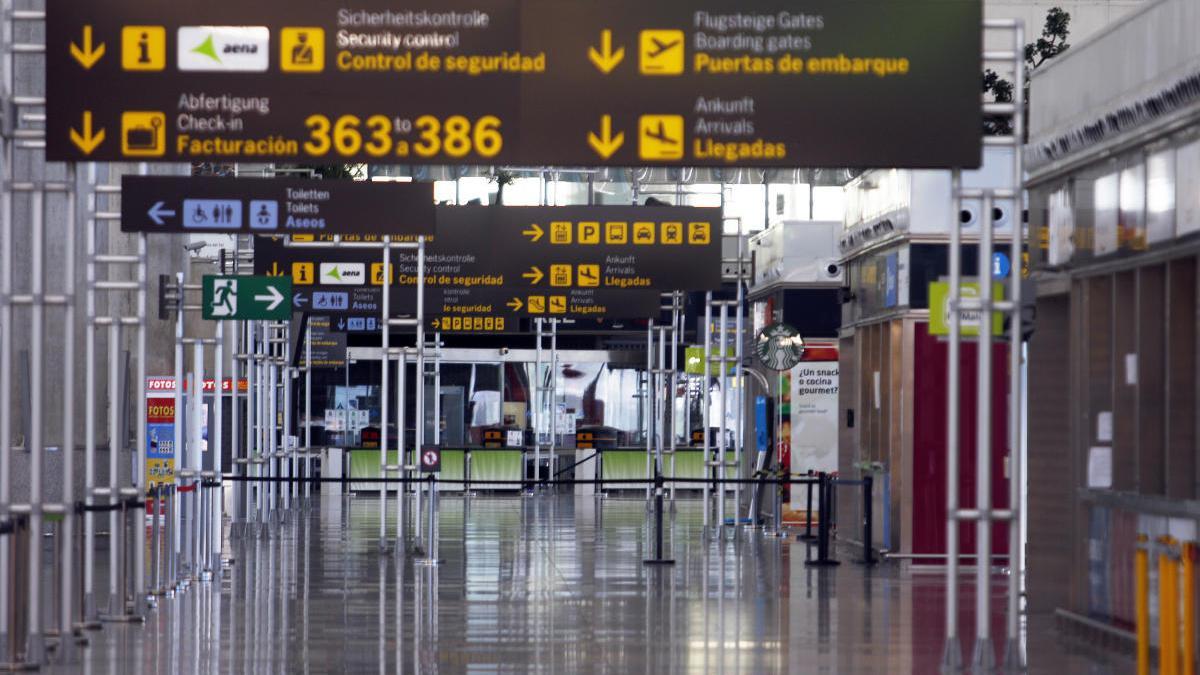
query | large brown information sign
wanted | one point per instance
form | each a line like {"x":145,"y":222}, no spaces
{"x":528,"y":82}
{"x":488,"y":266}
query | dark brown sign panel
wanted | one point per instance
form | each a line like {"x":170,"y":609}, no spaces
{"x":517,"y":262}
{"x":275,"y":206}
{"x":528,"y":82}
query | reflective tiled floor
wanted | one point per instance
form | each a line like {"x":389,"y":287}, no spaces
{"x":549,"y":584}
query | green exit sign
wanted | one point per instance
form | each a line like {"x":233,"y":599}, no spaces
{"x":247,"y":298}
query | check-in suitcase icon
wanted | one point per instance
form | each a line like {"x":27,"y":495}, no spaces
{"x":143,"y":137}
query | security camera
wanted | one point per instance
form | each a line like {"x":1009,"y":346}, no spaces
{"x":832,"y":269}
{"x":969,"y":215}
{"x":504,"y":351}
{"x":195,"y":247}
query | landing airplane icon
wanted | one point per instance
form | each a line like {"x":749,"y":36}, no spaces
{"x":660,"y":134}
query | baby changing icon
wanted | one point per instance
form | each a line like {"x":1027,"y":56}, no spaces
{"x":264,"y":215}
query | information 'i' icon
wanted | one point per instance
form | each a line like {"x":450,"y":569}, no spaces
{"x":143,"y":48}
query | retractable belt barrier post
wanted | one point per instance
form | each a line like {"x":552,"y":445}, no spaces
{"x":658,"y":521}
{"x":808,"y":513}
{"x":868,"y":516}
{"x":156,"y":501}
{"x":431,"y":553}
{"x":825,"y":501}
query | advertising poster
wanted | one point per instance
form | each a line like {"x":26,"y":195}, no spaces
{"x":160,"y":441}
{"x":814,"y":420}
{"x":784,"y":433}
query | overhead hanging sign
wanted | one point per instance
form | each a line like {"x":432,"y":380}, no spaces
{"x":328,"y":345}
{"x":274,"y":206}
{"x":239,"y":298}
{"x":490,"y":265}
{"x":530,"y":82}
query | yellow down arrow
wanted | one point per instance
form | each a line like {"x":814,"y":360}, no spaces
{"x":87,"y":56}
{"x":515,"y":304}
{"x":87,"y":142}
{"x":606,"y":144}
{"x":534,"y":275}
{"x":606,"y":59}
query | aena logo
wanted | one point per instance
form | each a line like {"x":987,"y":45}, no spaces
{"x":224,"y":48}
{"x":352,"y":274}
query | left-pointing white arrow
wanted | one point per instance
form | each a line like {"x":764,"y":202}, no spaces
{"x":274,"y":298}
{"x":158,"y":212}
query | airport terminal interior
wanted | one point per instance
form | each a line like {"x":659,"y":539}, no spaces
{"x":820,"y":336}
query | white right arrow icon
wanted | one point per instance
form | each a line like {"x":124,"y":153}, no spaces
{"x":158,"y":212}
{"x":274,"y":298}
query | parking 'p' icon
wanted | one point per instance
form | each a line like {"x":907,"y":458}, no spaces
{"x":589,"y":233}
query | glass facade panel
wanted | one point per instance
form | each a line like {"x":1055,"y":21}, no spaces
{"x":1187,"y":175}
{"x":1132,"y":222}
{"x":1105,"y":224}
{"x":1160,"y":196}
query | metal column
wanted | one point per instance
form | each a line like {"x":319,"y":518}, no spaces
{"x":706,"y":405}
{"x":538,"y":404}
{"x":308,"y":467}
{"x":1014,"y":657}
{"x":984,"y":514}
{"x":385,"y":360}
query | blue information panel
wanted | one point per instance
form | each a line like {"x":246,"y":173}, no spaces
{"x":1001,"y":265}
{"x":210,"y":214}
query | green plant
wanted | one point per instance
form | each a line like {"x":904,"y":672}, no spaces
{"x":1052,"y":42}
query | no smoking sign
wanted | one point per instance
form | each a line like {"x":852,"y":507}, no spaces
{"x":431,"y":459}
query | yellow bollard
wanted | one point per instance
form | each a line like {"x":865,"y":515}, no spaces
{"x":1141,"y":577}
{"x":1168,"y":610}
{"x":1189,"y":608}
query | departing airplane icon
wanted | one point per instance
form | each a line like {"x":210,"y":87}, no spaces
{"x":661,"y":46}
{"x":660,"y":134}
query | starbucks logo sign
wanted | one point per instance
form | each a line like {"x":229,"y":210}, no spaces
{"x":779,"y":346}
